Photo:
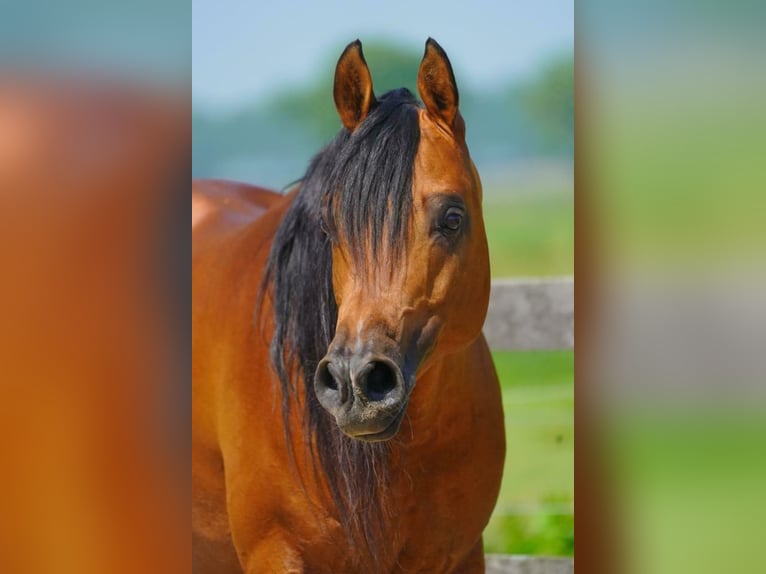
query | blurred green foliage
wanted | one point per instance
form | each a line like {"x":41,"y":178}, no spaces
{"x":544,"y":534}
{"x":393,"y":67}
{"x":549,"y":101}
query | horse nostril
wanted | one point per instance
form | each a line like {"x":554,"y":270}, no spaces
{"x":324,"y":378}
{"x":380,"y":381}
{"x":329,"y":384}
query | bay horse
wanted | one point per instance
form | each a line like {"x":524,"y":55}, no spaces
{"x":346,"y":412}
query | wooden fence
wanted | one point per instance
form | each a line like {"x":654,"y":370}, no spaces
{"x":501,"y":564}
{"x":530,"y":315}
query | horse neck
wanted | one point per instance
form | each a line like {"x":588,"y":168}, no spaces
{"x":446,"y":395}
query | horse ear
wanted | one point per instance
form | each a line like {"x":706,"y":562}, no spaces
{"x":436,"y":85}
{"x":352,"y":91}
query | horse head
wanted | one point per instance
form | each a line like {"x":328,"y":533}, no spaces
{"x":410,"y":265}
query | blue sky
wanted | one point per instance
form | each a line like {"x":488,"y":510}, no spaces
{"x":242,"y":50}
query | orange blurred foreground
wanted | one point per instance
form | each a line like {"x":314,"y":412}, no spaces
{"x":93,"y":476}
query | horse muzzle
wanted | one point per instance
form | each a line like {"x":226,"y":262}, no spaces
{"x":367,"y":394}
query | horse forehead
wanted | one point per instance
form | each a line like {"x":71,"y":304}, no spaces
{"x":440,"y":162}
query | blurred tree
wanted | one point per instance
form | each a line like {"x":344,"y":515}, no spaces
{"x":391,"y":67}
{"x":549,"y":103}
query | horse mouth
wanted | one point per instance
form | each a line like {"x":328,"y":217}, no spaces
{"x":374,"y":435}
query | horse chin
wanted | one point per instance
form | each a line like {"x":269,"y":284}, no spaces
{"x":371,"y":433}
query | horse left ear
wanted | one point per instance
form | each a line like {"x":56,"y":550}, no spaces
{"x":437,"y":87}
{"x":352,"y":91}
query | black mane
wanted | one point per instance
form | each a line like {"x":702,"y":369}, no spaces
{"x":357,"y":190}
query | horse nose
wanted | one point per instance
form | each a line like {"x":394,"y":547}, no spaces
{"x":373,"y":380}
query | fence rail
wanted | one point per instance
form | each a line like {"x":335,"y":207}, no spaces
{"x":531,"y":314}
{"x":502,"y":564}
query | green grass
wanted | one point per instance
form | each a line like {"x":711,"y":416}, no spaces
{"x":534,"y":512}
{"x":527,"y":369}
{"x":531,"y":234}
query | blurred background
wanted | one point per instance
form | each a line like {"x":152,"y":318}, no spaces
{"x":262,"y":107}
{"x":671,"y":222}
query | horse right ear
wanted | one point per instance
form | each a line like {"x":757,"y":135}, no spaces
{"x":352,"y":91}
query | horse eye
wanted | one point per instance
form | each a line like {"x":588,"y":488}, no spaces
{"x":453,"y":219}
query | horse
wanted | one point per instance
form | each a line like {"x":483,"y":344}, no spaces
{"x":346,"y":413}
